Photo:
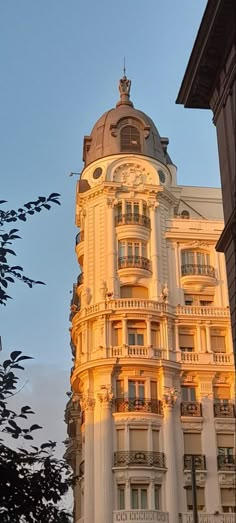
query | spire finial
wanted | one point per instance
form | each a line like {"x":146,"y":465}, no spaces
{"x":124,"y":89}
{"x":124,"y":68}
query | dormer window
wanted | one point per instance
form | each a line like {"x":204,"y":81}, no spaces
{"x":130,"y":139}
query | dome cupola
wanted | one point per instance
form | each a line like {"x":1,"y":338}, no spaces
{"x":124,"y":130}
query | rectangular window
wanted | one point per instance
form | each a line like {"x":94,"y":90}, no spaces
{"x":136,"y":389}
{"x":155,"y":440}
{"x":139,"y":497}
{"x":136,"y":208}
{"x":186,"y":342}
{"x":228,"y":500}
{"x":192,"y":443}
{"x":138,"y":439}
{"x":130,"y":249}
{"x":120,"y":388}
{"x":121,"y":497}
{"x":136,"y":250}
{"x":188,"y":393}
{"x":218,"y":343}
{"x":121,"y":249}
{"x":120,"y":438}
{"x":200,"y":499}
{"x":144,"y":250}
{"x":153,"y":386}
{"x":222,"y":393}
{"x":157,"y":497}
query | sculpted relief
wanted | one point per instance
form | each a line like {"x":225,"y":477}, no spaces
{"x":132,"y":175}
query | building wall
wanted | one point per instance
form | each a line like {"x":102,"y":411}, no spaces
{"x":153,"y":371}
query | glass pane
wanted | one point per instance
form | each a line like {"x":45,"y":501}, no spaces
{"x":140,"y":339}
{"x":143,"y":498}
{"x":121,"y":249}
{"x":130,"y":250}
{"x":134,"y":498}
{"x":132,"y":389}
{"x":136,"y":208}
{"x":192,"y":394}
{"x":144,"y":250}
{"x":141,"y":390}
{"x":136,"y":249}
{"x":153,"y":390}
{"x":121,"y":498}
{"x":131,"y":338}
{"x":128,"y":208}
{"x":157,"y":491}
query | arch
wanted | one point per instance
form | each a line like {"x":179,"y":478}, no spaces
{"x":130,"y":139}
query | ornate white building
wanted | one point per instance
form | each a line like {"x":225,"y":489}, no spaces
{"x":153,"y":375}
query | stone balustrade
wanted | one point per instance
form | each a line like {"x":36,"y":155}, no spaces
{"x":140,"y":515}
{"x":208,"y":518}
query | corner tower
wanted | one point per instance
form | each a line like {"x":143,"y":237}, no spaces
{"x":137,"y":341}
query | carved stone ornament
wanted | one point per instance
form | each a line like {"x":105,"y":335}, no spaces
{"x":200,"y":478}
{"x":228,"y":479}
{"x":132,"y":175}
{"x":105,"y":395}
{"x":170,"y":397}
{"x":87,"y":402}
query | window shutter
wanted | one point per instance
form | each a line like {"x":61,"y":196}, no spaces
{"x":227,"y":497}
{"x":192,"y":443}
{"x":120,"y":434}
{"x":138,"y":439}
{"x":225,"y":440}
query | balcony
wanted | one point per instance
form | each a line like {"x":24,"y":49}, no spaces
{"x":207,"y":518}
{"x":136,"y":351}
{"x":196,"y":310}
{"x":198,"y":276}
{"x":144,"y":458}
{"x":80,"y":279}
{"x":224,"y":409}
{"x":79,"y":237}
{"x":226,"y":462}
{"x":137,"y":405}
{"x":140,"y":515}
{"x":81,"y":469}
{"x":191,"y":408}
{"x":134,"y":262}
{"x":132,"y":219}
{"x":199,"y":459}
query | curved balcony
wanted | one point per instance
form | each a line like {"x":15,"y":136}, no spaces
{"x":132,"y":219}
{"x":79,"y":246}
{"x":134,"y":262}
{"x":198,"y":276}
{"x":124,"y":458}
{"x":226,"y":462}
{"x":224,"y":409}
{"x":199,"y":459}
{"x":79,"y":237}
{"x":138,"y":405}
{"x":80,"y":279}
{"x":191,"y":408}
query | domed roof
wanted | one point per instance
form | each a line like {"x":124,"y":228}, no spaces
{"x":124,"y":129}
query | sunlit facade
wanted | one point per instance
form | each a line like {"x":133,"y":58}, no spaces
{"x":153,"y":375}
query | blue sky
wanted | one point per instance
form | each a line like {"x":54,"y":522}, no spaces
{"x":60,"y":66}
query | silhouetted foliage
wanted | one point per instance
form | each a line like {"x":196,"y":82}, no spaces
{"x":10,"y":273}
{"x":32,"y":482}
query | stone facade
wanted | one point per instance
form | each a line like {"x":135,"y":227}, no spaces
{"x":153,"y":375}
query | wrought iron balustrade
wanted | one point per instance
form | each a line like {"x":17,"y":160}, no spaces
{"x":226,"y":462}
{"x":123,"y":458}
{"x":204,"y":517}
{"x":81,"y":469}
{"x":191,"y":408}
{"x":132,"y":219}
{"x":138,"y":262}
{"x":190,"y":269}
{"x":79,"y":237}
{"x":224,"y":409}
{"x":137,"y":404}
{"x":199,"y":459}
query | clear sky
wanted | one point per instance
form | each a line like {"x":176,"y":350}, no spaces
{"x":60,"y":65}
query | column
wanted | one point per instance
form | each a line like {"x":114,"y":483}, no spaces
{"x":170,"y":454}
{"x":177,"y":349}
{"x":111,"y":249}
{"x":208,"y":339}
{"x":209,"y":448}
{"x":154,"y":250}
{"x":87,"y":404}
{"x":179,"y":290}
{"x":149,"y":332}
{"x":199,"y":341}
{"x":104,"y":483}
{"x":124,"y":331}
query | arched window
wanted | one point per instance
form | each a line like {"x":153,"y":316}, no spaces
{"x":130,"y":139}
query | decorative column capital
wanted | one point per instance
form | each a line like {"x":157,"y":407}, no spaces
{"x":112,"y":202}
{"x":87,"y":402}
{"x":170,"y":397}
{"x":152,"y":204}
{"x":105,"y":396}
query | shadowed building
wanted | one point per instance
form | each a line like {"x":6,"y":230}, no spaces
{"x":210,"y":83}
{"x":152,"y":381}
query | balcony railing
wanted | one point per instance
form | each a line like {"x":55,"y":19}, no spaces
{"x":80,"y":279}
{"x":140,"y":515}
{"x":137,"y":405}
{"x":226,"y":462}
{"x":190,"y":269}
{"x":200,"y":310}
{"x":81,"y":469}
{"x":132,"y":219}
{"x":224,"y":410}
{"x":136,"y":351}
{"x":138,"y":262}
{"x":79,"y":237}
{"x":123,"y":458}
{"x":208,"y":518}
{"x":199,"y":459}
{"x":222,"y":358}
{"x":191,"y":408}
